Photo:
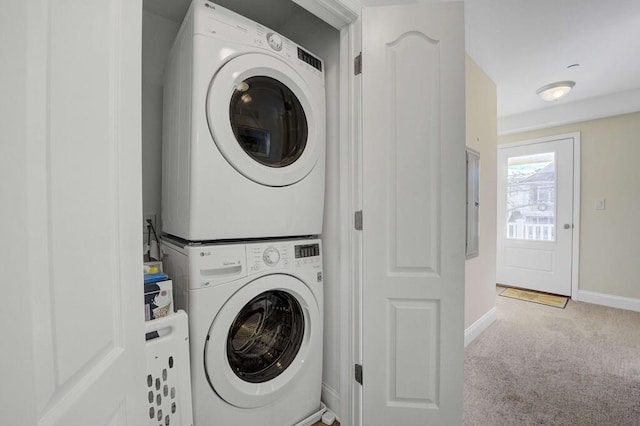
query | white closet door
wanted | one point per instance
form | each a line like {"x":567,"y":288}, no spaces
{"x":71,"y":175}
{"x":413,"y":214}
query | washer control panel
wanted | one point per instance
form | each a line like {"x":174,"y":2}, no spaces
{"x":307,"y":254}
{"x":307,"y":250}
{"x":215,"y":264}
{"x":283,"y":255}
{"x":262,"y":257}
{"x":271,"y":256}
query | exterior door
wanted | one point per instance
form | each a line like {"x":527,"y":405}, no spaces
{"x":73,"y":319}
{"x":535,"y":215}
{"x":413,"y":77}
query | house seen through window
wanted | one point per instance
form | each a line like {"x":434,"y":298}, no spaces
{"x":531,"y":197}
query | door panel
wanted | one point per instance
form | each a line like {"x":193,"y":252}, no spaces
{"x":83,"y":202}
{"x":535,"y":215}
{"x":416,"y":377}
{"x":413,"y":214}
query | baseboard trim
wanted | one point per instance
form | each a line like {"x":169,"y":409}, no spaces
{"x":609,"y":300}
{"x":475,"y":329}
{"x":331,"y":399}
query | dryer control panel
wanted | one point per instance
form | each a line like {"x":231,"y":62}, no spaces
{"x":310,"y":59}
{"x":216,"y":21}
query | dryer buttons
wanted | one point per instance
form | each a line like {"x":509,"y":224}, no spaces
{"x":275,"y":41}
{"x":271,"y":256}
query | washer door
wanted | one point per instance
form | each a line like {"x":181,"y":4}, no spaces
{"x":258,"y":343}
{"x":263,"y":119}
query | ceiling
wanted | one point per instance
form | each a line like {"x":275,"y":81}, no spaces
{"x":523,"y":45}
{"x":272,"y":13}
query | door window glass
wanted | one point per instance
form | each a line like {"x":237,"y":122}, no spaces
{"x":268,"y":121}
{"x":265,"y":336}
{"x":531,"y":197}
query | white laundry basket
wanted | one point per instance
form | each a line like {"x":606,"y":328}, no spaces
{"x":168,"y":377}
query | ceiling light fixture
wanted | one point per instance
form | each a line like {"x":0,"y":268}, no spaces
{"x":555,"y":91}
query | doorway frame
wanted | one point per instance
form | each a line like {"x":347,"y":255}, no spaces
{"x":344,"y":15}
{"x":575,"y":246}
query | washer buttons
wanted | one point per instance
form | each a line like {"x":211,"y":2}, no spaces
{"x":271,"y":256}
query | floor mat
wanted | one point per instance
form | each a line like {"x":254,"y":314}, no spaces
{"x":536,"y":297}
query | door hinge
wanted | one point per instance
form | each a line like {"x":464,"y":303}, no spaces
{"x":357,"y":64}
{"x":357,"y":220}
{"x":358,"y":373}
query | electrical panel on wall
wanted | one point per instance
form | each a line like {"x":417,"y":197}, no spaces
{"x":473,"y":202}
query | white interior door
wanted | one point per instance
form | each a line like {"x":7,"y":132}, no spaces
{"x":535,"y":215}
{"x":413,"y":77}
{"x":71,"y":172}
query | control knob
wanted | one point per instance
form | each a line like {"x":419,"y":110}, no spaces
{"x":271,"y":256}
{"x":275,"y":41}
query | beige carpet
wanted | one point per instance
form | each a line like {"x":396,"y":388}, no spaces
{"x":538,"y":365}
{"x":535,"y":297}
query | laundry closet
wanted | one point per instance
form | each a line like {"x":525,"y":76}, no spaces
{"x":86,"y":116}
{"x":160,"y":24}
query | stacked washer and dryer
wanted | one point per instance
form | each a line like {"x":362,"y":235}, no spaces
{"x":242,"y":207}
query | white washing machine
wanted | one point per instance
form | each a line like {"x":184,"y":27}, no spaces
{"x":255,"y":328}
{"x":244,"y":131}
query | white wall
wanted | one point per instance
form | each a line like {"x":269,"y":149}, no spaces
{"x":322,"y":40}
{"x":18,"y":386}
{"x":158,"y":34}
{"x":609,"y":239}
{"x":480,"y":271}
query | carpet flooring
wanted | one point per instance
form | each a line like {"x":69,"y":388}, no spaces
{"x":539,"y":365}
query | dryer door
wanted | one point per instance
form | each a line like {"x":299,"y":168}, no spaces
{"x":258,"y":343}
{"x":264,"y":119}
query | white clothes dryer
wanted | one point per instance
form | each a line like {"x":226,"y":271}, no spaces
{"x":243,"y":131}
{"x":255,"y":328}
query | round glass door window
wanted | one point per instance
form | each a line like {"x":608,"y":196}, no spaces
{"x":268,"y":121}
{"x":265,"y":336}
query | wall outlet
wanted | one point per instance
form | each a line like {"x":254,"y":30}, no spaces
{"x":600,"y":204}
{"x":145,"y":230}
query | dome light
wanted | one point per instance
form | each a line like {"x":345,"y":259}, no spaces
{"x":555,"y":91}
